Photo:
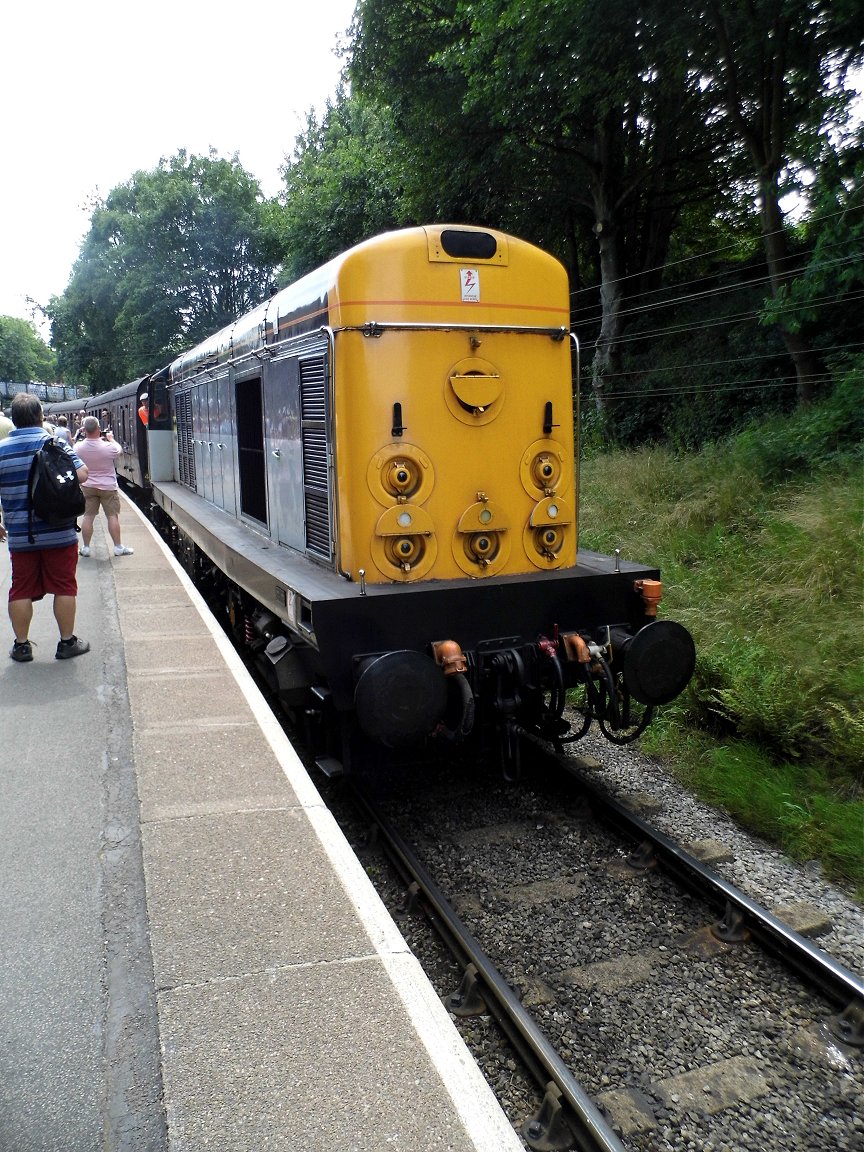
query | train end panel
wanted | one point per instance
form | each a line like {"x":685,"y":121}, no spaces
{"x":453,"y":400}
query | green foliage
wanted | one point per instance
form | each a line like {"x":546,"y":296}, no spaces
{"x":773,"y":70}
{"x":759,"y":539}
{"x":826,"y":292}
{"x":692,"y":372}
{"x":24,"y":355}
{"x":395,"y":65}
{"x":700,"y":359}
{"x":790,"y":805}
{"x":812,"y":439}
{"x":171,"y":256}
{"x":341,"y":186}
{"x":646,"y":125}
{"x":494,"y":129}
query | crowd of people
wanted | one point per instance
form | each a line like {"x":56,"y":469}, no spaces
{"x":45,"y":556}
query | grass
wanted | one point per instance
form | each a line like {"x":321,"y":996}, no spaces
{"x":765,"y":566}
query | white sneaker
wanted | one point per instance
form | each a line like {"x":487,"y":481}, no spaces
{"x":84,"y":550}
{"x":121,"y":550}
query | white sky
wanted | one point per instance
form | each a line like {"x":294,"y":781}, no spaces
{"x":91,"y":91}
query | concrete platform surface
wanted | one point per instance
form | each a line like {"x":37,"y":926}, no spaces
{"x":190,"y":955}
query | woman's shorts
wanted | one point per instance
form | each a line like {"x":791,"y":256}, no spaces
{"x":47,"y":571}
{"x":107,"y":498}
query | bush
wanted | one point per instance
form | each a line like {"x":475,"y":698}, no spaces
{"x":759,"y":540}
{"x":810,"y":439}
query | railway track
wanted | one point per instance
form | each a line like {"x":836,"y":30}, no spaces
{"x":619,"y":990}
{"x":654,"y":1004}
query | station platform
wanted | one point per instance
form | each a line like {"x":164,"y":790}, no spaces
{"x":190,"y":955}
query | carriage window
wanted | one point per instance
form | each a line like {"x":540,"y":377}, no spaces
{"x":160,"y":410}
{"x":250,"y":449}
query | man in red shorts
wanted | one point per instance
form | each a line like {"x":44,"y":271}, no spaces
{"x":47,"y":566}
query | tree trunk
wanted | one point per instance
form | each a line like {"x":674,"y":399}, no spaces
{"x":607,"y":352}
{"x":808,"y":366}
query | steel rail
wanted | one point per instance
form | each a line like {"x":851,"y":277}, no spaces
{"x":590,"y":1130}
{"x":819,"y":968}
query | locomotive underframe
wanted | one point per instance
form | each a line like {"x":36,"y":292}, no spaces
{"x":315,"y":632}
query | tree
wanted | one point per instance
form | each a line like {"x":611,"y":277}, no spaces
{"x":24,"y":355}
{"x":392,"y":64}
{"x":775,"y":70}
{"x":342,"y":185}
{"x":825,"y":296}
{"x":172,"y":255}
{"x":606,"y":136}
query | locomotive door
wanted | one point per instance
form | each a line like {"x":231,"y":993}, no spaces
{"x":283,"y":452}
{"x":212,"y":480}
{"x":226,"y":447}
{"x":201,"y":437}
{"x":215,"y":447}
{"x":251,"y":459}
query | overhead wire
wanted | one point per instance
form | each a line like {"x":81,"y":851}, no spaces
{"x":671,"y":301}
{"x":658,"y":368}
{"x":753,"y":244}
{"x":654,"y":300}
{"x":757,"y":384}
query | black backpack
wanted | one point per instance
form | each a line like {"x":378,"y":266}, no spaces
{"x":53,"y":491}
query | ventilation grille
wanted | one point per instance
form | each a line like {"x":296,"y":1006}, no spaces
{"x":316,"y":469}
{"x":185,"y":449}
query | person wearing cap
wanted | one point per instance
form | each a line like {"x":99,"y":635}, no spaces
{"x":143,"y":410}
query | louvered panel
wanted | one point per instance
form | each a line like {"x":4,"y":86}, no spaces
{"x":185,"y":448}
{"x":317,"y":524}
{"x":313,"y":394}
{"x":315,"y":459}
{"x":316,"y":470}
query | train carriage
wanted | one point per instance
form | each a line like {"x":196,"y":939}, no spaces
{"x":120,"y":410}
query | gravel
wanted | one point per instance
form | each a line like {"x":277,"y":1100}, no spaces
{"x":761,"y":871}
{"x":714,"y":1053}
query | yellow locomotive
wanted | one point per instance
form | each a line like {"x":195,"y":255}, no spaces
{"x":375,"y":471}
